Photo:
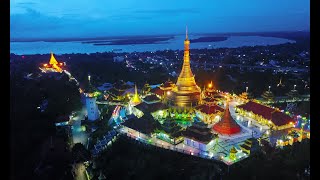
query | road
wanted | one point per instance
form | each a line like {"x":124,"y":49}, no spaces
{"x":78,"y":135}
{"x":80,"y":172}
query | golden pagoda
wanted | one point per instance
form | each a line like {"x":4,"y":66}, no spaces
{"x":232,"y":154}
{"x":53,"y":65}
{"x":135,"y":99}
{"x":186,"y":93}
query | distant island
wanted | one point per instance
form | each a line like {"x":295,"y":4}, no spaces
{"x":209,"y":39}
{"x":131,"y":41}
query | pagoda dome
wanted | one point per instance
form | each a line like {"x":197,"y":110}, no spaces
{"x":227,"y":125}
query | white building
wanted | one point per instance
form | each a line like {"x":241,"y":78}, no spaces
{"x":92,"y":108}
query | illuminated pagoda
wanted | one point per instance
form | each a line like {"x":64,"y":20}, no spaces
{"x":199,"y":136}
{"x":135,"y":100}
{"x":53,"y":65}
{"x":145,"y":89}
{"x":268,"y":95}
{"x":245,"y":96}
{"x":232,"y":154}
{"x":227,"y":125}
{"x":167,"y":86}
{"x":210,"y":91}
{"x":91,"y":105}
{"x":186,"y":93}
{"x":293,"y":94}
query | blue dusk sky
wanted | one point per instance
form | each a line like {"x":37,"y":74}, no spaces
{"x":95,"y":18}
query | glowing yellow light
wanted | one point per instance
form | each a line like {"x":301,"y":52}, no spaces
{"x":168,"y":92}
{"x":210,"y":85}
{"x":45,"y":65}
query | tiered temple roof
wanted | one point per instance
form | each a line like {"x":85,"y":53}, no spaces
{"x":157,"y":91}
{"x":167,"y":86}
{"x":199,"y":132}
{"x":145,"y":125}
{"x":227,"y":125}
{"x":293,"y":94}
{"x":171,"y":128}
{"x":268,"y":95}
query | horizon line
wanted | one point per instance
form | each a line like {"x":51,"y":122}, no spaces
{"x":24,"y":39}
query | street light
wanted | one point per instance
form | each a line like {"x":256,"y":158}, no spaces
{"x":294,"y":87}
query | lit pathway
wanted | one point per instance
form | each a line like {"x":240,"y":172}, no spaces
{"x":78,"y":135}
{"x":80,"y":172}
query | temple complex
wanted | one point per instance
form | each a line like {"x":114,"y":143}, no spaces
{"x":186,"y":93}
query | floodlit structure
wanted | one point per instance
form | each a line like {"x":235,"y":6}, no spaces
{"x":227,"y":125}
{"x":53,"y":65}
{"x":186,"y":93}
{"x":199,"y":136}
{"x":135,"y":100}
{"x":266,"y":115}
{"x":91,"y":105}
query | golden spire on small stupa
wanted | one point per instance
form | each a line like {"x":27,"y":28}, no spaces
{"x":135,"y":99}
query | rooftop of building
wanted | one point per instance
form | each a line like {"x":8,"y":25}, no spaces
{"x":277,"y":117}
{"x":200,"y":134}
{"x":149,"y":108}
{"x":145,"y":124}
{"x":157,"y":91}
{"x":151,"y":98}
{"x":209,"y":109}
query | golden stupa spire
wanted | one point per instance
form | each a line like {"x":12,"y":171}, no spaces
{"x":135,"y":99}
{"x":53,"y":60}
{"x":186,"y":32}
{"x":135,"y":90}
{"x":186,"y":90}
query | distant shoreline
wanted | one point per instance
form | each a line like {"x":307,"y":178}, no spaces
{"x":292,"y":35}
{"x":144,"y":44}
